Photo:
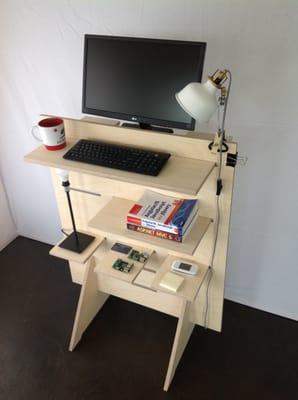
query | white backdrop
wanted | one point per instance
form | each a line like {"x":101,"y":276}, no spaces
{"x":41,"y":48}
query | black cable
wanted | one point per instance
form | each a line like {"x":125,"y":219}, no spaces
{"x":219,"y":187}
{"x":224,"y":145}
{"x":217,"y":222}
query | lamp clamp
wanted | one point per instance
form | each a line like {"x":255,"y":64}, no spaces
{"x":236,"y":159}
{"x":214,"y":146}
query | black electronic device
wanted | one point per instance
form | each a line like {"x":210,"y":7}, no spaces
{"x":121,"y":248}
{"x":136,"y":79}
{"x":125,"y":158}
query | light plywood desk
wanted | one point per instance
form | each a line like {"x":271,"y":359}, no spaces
{"x":101,"y":200}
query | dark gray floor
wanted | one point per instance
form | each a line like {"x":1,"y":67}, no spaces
{"x":125,"y":352}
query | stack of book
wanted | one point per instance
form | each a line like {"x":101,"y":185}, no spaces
{"x":163,"y":216}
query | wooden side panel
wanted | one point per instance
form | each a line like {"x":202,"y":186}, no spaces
{"x":90,"y":302}
{"x":183,"y":332}
{"x":77,"y":271}
{"x":204,"y":250}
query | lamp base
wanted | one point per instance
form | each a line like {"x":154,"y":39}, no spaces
{"x":78,"y":246}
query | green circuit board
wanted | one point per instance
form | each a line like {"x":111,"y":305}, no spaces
{"x":138,"y":256}
{"x":122,"y":266}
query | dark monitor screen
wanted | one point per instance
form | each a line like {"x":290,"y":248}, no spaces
{"x":136,"y":79}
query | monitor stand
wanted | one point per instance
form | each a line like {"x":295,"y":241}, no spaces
{"x":141,"y":125}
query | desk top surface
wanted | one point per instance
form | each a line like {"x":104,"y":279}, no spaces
{"x":180,"y":174}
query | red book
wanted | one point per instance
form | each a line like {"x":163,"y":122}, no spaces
{"x":155,"y":232}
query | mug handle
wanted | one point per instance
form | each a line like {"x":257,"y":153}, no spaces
{"x":34,"y":134}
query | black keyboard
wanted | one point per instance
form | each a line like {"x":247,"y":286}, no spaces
{"x":131,"y":159}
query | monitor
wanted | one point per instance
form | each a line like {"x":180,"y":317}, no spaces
{"x":135,"y":79}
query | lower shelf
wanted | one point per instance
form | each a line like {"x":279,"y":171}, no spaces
{"x":148,"y":275}
{"x":111,"y":220}
{"x":105,"y":265}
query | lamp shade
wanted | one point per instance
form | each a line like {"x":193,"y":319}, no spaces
{"x":199,"y":100}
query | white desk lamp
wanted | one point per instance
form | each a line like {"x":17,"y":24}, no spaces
{"x":201,"y":101}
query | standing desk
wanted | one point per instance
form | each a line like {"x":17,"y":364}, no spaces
{"x":101,"y":198}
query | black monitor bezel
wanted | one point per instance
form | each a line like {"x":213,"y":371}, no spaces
{"x":138,"y":118}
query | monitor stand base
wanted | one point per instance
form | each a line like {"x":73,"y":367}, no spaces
{"x":141,"y":125}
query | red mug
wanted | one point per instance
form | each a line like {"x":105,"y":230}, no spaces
{"x":50,"y":131}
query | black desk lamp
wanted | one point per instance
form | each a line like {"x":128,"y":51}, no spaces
{"x":76,"y":241}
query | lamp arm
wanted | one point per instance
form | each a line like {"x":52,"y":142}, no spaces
{"x":226,"y":103}
{"x":222,"y":128}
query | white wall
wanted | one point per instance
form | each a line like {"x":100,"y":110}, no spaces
{"x":41,"y":47}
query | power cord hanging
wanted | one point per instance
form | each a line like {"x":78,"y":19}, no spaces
{"x":219,"y":186}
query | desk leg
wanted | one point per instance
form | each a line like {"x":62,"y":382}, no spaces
{"x":183,"y":332}
{"x":90,"y":302}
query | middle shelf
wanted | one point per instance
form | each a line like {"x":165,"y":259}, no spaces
{"x":111,"y":220}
